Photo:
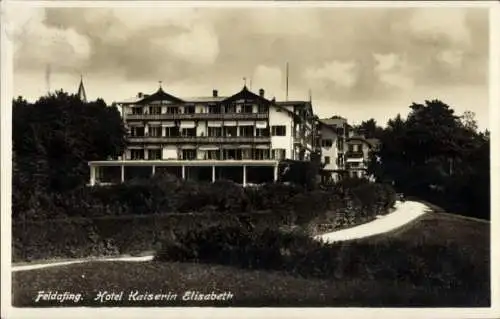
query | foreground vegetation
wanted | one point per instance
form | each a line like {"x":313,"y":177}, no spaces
{"x":142,"y":214}
{"x":439,"y":261}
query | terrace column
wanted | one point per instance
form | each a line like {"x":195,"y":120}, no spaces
{"x":153,"y":169}
{"x":213,"y":174}
{"x":244,"y":175}
{"x":122,"y":173}
{"x":183,"y":172}
{"x":276,"y":172}
{"x":92,"y":175}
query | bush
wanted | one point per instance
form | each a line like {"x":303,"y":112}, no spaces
{"x":126,"y":231}
{"x":299,"y":255}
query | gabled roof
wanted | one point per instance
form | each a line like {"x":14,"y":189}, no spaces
{"x":204,"y":99}
{"x":246,"y":95}
{"x":159,"y":95}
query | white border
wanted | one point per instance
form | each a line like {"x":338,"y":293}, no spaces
{"x":6,"y":166}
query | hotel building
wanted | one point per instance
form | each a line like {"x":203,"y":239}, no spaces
{"x":242,"y":137}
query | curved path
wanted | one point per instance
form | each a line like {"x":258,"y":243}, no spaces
{"x":403,"y":214}
{"x":79,"y":261}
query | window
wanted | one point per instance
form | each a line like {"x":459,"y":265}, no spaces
{"x":188,"y":132}
{"x":262,"y":132}
{"x":172,"y":131}
{"x":326,"y":143}
{"x":230,"y":131}
{"x":188,"y":155}
{"x":279,"y":154}
{"x":247,"y":108}
{"x":354,"y":164}
{"x":231,"y":108}
{"x":154,"y":154}
{"x":155,"y":131}
{"x":278,"y":130}
{"x":340,"y":145}
{"x":137,"y":154}
{"x":263,"y":108}
{"x":215,"y":131}
{"x":246,"y":131}
{"x":261,"y":154}
{"x":231,"y":154}
{"x":340,"y":160}
{"x":137,"y":110}
{"x":189,"y":109}
{"x":351,"y":147}
{"x":327,"y":160}
{"x":214,"y":109}
{"x":212,"y":155}
{"x":246,"y":154}
{"x":172,"y":110}
{"x":137,"y":131}
{"x":155,"y":110}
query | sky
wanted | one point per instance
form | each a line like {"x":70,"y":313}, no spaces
{"x":359,"y":63}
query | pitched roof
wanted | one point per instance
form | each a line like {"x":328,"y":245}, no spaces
{"x":201,"y":99}
{"x":159,"y":95}
{"x":246,"y":94}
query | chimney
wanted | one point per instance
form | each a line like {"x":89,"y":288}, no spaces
{"x":215,"y":93}
{"x":261,"y":92}
{"x":139,"y":95}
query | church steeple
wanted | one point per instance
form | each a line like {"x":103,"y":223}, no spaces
{"x":81,"y":91}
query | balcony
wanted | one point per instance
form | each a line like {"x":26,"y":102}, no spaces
{"x":196,"y":116}
{"x":198,"y":139}
{"x":352,"y":154}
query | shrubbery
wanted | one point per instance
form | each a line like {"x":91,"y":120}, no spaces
{"x":300,"y":255}
{"x":113,"y":221}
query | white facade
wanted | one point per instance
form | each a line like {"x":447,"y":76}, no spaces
{"x":281,"y":118}
{"x":243,"y":126}
{"x":329,"y":149}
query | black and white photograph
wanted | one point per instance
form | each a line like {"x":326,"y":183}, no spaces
{"x":230,"y":156}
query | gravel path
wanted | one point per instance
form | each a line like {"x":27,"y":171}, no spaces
{"x":404,"y":213}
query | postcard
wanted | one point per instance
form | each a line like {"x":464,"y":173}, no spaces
{"x":250,"y":159}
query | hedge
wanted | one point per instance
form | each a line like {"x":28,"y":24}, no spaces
{"x":300,"y":255}
{"x":344,"y":204}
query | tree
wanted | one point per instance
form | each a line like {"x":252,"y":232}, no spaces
{"x":56,"y":136}
{"x":369,"y":129}
{"x":469,"y":121}
{"x":434,"y":155}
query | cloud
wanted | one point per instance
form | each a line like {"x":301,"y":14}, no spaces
{"x":345,"y":55}
{"x":268,"y":78}
{"x":198,"y":45}
{"x":441,"y":23}
{"x":35,"y":43}
{"x":342,"y":74}
{"x":453,"y":58}
{"x":393,"y":71}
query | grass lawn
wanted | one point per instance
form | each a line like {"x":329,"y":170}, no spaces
{"x":275,"y":289}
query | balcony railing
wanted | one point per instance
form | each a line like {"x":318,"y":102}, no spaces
{"x":351,"y":154}
{"x":197,"y":116}
{"x":198,"y":139}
